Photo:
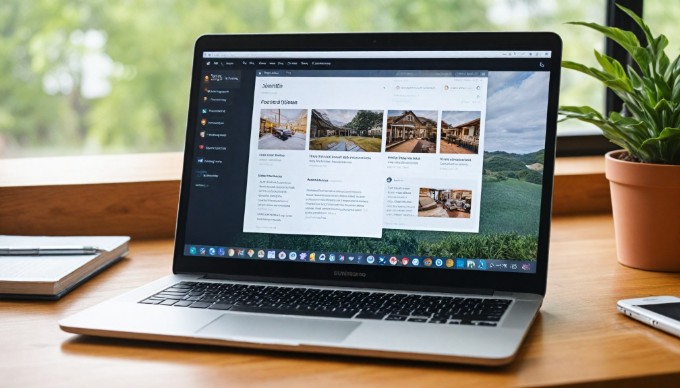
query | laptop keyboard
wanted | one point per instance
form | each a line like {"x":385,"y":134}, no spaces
{"x":333,"y":303}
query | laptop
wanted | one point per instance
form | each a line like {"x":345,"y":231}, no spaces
{"x":383,"y":195}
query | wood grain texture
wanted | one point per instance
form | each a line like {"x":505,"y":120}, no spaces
{"x":580,"y":186}
{"x":93,"y":169}
{"x":581,"y":194}
{"x":136,"y":209}
{"x":581,"y":165}
{"x":134,"y":195}
{"x":579,"y":338}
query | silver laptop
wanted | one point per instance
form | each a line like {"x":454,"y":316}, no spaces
{"x":380,"y":195}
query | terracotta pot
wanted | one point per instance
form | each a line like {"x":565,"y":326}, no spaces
{"x":646,"y":207}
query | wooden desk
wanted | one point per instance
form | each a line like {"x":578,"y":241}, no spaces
{"x":578,"y":337}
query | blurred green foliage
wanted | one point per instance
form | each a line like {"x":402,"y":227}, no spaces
{"x":92,"y":76}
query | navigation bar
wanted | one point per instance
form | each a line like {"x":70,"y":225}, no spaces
{"x":378,"y":54}
{"x":371,"y":73}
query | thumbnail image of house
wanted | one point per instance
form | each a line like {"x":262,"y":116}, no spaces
{"x":345,"y":130}
{"x":283,"y":129}
{"x":292,"y":119}
{"x":321,"y":126}
{"x":446,"y":203}
{"x":411,"y":131}
{"x":460,"y":133}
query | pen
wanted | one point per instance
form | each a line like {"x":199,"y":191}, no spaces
{"x":50,"y":251}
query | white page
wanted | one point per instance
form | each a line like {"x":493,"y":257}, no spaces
{"x":49,"y":268}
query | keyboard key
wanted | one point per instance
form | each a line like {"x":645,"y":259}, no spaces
{"x":221,"y":306}
{"x":173,"y":297}
{"x":288,"y":311}
{"x":370,"y":316}
{"x":151,"y":301}
{"x":490,"y":318}
{"x":344,"y":304}
{"x":417,"y":319}
{"x":167,"y":292}
{"x":176,"y":289}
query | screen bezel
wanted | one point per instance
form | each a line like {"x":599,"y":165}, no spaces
{"x":375,"y":276}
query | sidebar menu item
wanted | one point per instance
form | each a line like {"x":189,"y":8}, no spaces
{"x":219,"y":88}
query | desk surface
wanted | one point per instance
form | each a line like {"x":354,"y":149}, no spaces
{"x":578,"y":337}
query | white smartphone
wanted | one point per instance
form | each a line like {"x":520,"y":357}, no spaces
{"x":659,"y":312}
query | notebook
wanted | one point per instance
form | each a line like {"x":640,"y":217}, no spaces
{"x":382,"y":195}
{"x":52,"y":276}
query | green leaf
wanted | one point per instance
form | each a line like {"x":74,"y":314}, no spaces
{"x":665,"y":109}
{"x":599,"y":75}
{"x":643,"y":59}
{"x":614,"y":69}
{"x":626,"y":39}
{"x":660,"y":44}
{"x":636,"y":131}
{"x":643,"y":26}
{"x":580,"y":111}
{"x":665,"y":147}
{"x":616,"y":135}
{"x":636,"y":81}
{"x":651,"y":95}
{"x":673,"y":70}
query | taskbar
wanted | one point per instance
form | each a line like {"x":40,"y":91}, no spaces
{"x":496,"y":265}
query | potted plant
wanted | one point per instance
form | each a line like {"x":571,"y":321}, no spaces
{"x":644,"y":176}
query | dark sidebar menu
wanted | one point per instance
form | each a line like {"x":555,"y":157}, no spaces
{"x":220,"y":154}
{"x":219,"y":88}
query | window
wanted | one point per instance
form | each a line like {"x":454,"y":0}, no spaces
{"x":662,"y":17}
{"x":92,"y":76}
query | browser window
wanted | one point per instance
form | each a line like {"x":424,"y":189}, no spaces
{"x":379,"y":152}
{"x":368,"y":158}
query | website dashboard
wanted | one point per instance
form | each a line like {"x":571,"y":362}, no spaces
{"x":366,"y":158}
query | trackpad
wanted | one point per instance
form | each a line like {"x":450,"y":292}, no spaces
{"x":277,"y":328}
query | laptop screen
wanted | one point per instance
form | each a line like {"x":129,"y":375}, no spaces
{"x":423,"y":159}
